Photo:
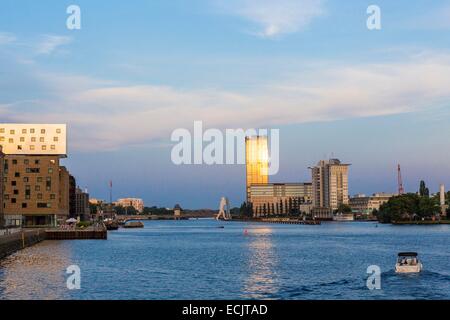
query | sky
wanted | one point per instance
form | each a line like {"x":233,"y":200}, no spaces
{"x":135,"y":72}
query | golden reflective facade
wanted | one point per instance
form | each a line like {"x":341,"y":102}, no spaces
{"x":256,"y":161}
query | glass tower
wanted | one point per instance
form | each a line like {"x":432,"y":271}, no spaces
{"x":256,"y":161}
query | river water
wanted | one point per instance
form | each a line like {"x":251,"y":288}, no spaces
{"x":196,"y":259}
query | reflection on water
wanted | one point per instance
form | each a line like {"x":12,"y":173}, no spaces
{"x":261,"y":265}
{"x":36,"y":272}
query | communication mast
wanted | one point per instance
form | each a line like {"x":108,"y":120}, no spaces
{"x":401,"y":190}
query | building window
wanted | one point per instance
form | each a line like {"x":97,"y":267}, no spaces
{"x":52,"y":161}
{"x":22,"y":139}
{"x":37,"y":188}
{"x":36,"y":162}
{"x":55,"y":139}
{"x":52,"y":196}
{"x":39,"y":196}
{"x":44,"y":147}
{"x":14,"y":161}
{"x":17,"y":174}
{"x":12,"y":132}
{"x":11,"y":140}
{"x":50,"y":170}
{"x":24,"y":131}
{"x":24,"y":205}
{"x":31,"y":147}
{"x":2,"y":139}
{"x":19,"y":147}
{"x":16,"y":192}
{"x":58,"y":130}
{"x":39,"y":179}
{"x":13,"y":183}
{"x":2,"y":130}
{"x":53,"y":147}
{"x":13,"y":200}
{"x":32,"y":131}
{"x":33,"y":139}
{"x":42,"y":131}
{"x":41,"y":205}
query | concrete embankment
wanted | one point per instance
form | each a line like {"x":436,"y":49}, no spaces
{"x":22,"y":239}
{"x":19,"y":240}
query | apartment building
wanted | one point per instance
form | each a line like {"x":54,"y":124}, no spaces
{"x":329,"y":186}
{"x":36,"y":187}
{"x":280,"y":198}
{"x":136,"y":203}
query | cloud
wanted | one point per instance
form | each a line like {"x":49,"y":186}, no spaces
{"x":7,"y":38}
{"x":106,"y":115}
{"x":274,"y":18}
{"x":49,"y":43}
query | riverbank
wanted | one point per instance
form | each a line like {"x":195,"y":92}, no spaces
{"x":20,"y":240}
{"x":425,"y":222}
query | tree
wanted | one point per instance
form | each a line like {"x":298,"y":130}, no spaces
{"x":423,"y":190}
{"x":408,"y":207}
{"x":344,"y":209}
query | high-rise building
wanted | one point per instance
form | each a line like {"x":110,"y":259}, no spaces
{"x":136,"y":203}
{"x":35,"y":186}
{"x":2,"y":220}
{"x":280,"y":198}
{"x":329,"y":185}
{"x":257,"y":161}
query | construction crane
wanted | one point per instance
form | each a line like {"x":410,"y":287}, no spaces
{"x":401,"y":190}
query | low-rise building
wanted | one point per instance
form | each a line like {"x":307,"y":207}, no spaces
{"x":2,"y":220}
{"x":365,"y":205}
{"x":136,"y":203}
{"x":82,"y":208}
{"x":280,"y":198}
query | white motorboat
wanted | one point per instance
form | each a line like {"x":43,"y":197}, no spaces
{"x":408,"y":262}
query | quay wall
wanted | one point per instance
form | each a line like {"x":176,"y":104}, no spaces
{"x":19,"y":240}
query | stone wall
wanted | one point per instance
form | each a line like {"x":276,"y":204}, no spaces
{"x":20,"y":240}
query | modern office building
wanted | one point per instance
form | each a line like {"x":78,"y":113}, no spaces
{"x":280,"y":198}
{"x":35,"y":186}
{"x":365,"y":205}
{"x":2,"y":220}
{"x":136,"y":203}
{"x":329,"y":186}
{"x":256,"y":161}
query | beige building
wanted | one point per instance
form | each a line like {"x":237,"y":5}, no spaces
{"x":280,"y":198}
{"x":36,"y":188}
{"x":136,"y":203}
{"x":365,"y":205}
{"x":256,"y":162}
{"x":34,"y":139}
{"x":329,"y":186}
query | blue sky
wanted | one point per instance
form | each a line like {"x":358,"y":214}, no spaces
{"x":135,"y":72}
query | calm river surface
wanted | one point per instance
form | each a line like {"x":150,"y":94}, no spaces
{"x":197,"y":260}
